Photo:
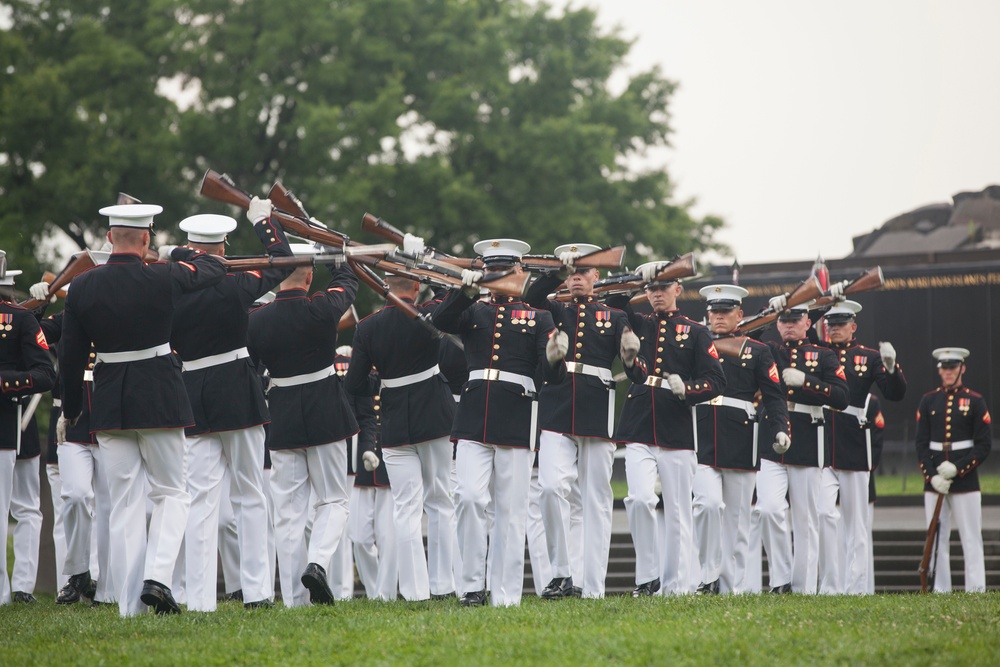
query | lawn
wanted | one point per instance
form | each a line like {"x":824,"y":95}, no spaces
{"x":955,"y":629}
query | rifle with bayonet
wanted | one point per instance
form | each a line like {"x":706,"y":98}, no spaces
{"x":808,"y":290}
{"x":81,"y":262}
{"x":261,"y":262}
{"x":931,"y":545}
{"x":630,"y":283}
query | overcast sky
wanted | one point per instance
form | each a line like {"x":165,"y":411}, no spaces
{"x":804,"y":123}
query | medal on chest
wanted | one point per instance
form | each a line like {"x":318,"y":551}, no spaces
{"x":6,"y":323}
{"x":964,"y":404}
{"x":860,"y":363}
{"x":523,"y":317}
{"x":812,"y":358}
{"x":682,"y":332}
{"x":603,"y":318}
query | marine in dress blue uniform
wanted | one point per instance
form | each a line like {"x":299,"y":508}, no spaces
{"x":812,"y":377}
{"x":848,"y":456}
{"x":576,"y":418}
{"x":508,"y":345}
{"x":729,"y":429}
{"x":25,"y":369}
{"x":140,"y":407}
{"x":416,"y":414}
{"x":677,"y":368}
{"x":295,"y":338}
{"x":226,"y":444}
{"x":954,"y":437}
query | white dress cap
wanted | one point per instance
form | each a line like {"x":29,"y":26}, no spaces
{"x":950,"y":354}
{"x":8,"y":277}
{"x":843,"y":311}
{"x":723,"y":297}
{"x":501,"y":250}
{"x":131,"y":215}
{"x":582,"y":248}
{"x":207,"y":227}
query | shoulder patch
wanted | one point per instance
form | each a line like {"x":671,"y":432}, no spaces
{"x":986,"y":418}
{"x":772,"y":373}
{"x":879,"y":420}
{"x":712,"y":351}
{"x":335,"y":289}
{"x":40,"y":339}
{"x":190,"y":267}
{"x":840,"y":373}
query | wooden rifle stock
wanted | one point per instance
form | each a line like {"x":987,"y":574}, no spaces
{"x":284,"y":199}
{"x":380,"y":227}
{"x":930,"y":544}
{"x":265,"y":262}
{"x":808,"y":290}
{"x":80,"y":263}
{"x":730,"y":346}
{"x":221,"y":188}
{"x":869,"y":280}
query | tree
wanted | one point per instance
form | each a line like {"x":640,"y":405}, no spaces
{"x":457,"y":119}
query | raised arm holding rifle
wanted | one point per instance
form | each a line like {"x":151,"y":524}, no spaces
{"x":954,"y":436}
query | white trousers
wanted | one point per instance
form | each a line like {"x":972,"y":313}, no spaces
{"x":86,"y":515}
{"x":370,"y":525}
{"x":722,"y":524}
{"x":965,"y":511}
{"x":340,"y":571}
{"x":753,"y":579}
{"x":843,"y":532}
{"x":673,"y":559}
{"x":587,"y":462}
{"x":272,"y":557}
{"x":800,"y":565}
{"x":538,"y":550}
{"x":869,"y":525}
{"x":295,"y":473}
{"x":421,"y":481}
{"x":229,"y":537}
{"x":209,"y":457}
{"x":509,"y":468}
{"x":26,"y":509}
{"x":58,"y":531}
{"x":136,"y":555}
{"x":7,"y":459}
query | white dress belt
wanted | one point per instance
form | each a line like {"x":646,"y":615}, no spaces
{"x":57,"y":402}
{"x":730,"y":402}
{"x":858,"y":412}
{"x":133,"y":355}
{"x":959,"y":444}
{"x":216,"y":359}
{"x":305,"y":378}
{"x":395,"y":383}
{"x":492,"y":374}
{"x":814,"y":411}
{"x":585,"y":369}
{"x":88,"y":376}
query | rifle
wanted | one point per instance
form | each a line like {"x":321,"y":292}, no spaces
{"x":606,"y":258}
{"x":808,"y":290}
{"x":126,"y":199}
{"x":930,"y":544}
{"x":370,"y":278}
{"x":730,"y":346}
{"x":348,"y":320}
{"x":629,"y":283}
{"x":82,"y":261}
{"x":259,"y":262}
{"x":869,"y":280}
{"x":222,"y":188}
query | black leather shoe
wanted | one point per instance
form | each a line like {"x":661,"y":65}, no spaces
{"x":258,"y":604}
{"x":235,"y":596}
{"x":474,"y":599}
{"x":314,"y":578}
{"x":646,"y":589}
{"x":23,"y":598}
{"x":77,"y":586}
{"x":784,"y":588}
{"x":709,"y":589}
{"x":91,"y":591}
{"x":575,"y":592}
{"x":156,"y":595}
{"x":558,"y":588}
{"x":442,"y":596}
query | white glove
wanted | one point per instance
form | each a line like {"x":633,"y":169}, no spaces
{"x":163,"y":252}
{"x":940,"y":484}
{"x":370,"y":460}
{"x":648,"y":272}
{"x":948,"y":470}
{"x":107,"y":247}
{"x":413,"y":245}
{"x":470,"y":277}
{"x":781,"y":443}
{"x":676,"y":385}
{"x":568,"y":258}
{"x":61,"y":430}
{"x":318,"y":223}
{"x":777,"y":303}
{"x":629,"y":348}
{"x":793,"y":377}
{"x":259,"y":209}
{"x":556,"y":348}
{"x":40,"y":292}
{"x":837,"y":291}
{"x":888,"y":353}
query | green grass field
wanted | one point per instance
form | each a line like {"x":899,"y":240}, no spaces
{"x":955,"y":629}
